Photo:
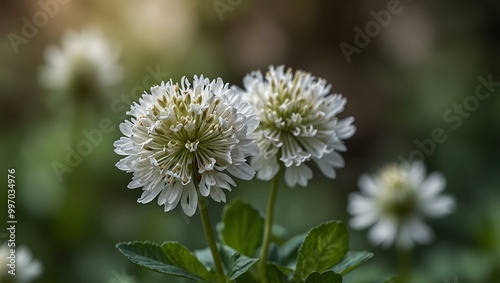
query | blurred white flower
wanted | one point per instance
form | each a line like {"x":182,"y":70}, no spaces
{"x":395,"y":201}
{"x":27,"y":269}
{"x":186,"y":137}
{"x":298,"y":123}
{"x":85,"y":62}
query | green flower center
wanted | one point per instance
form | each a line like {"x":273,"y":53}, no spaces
{"x":286,"y":110}
{"x":400,"y":199}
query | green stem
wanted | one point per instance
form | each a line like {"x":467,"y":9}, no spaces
{"x":209,"y":233}
{"x":74,"y":179}
{"x":268,"y":225}
{"x":404,"y":258}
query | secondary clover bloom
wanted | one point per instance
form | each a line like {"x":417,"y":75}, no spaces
{"x":395,"y":201}
{"x":298,"y":122}
{"x":186,"y":137}
{"x":26,"y":269}
{"x":85,"y":63}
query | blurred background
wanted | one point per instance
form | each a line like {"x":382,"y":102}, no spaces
{"x":399,"y":83}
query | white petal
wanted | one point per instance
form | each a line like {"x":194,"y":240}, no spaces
{"x":122,"y":145}
{"x":123,"y":164}
{"x":314,"y":146}
{"x":368,"y":185}
{"x":224,"y":181}
{"x":162,"y":198}
{"x":217,"y":194}
{"x":413,"y":231}
{"x":433,"y":185}
{"x":417,"y":173}
{"x":359,"y":204}
{"x":420,"y":232}
{"x":204,"y":188}
{"x":189,"y":200}
{"x":383,"y":232}
{"x":250,"y":149}
{"x":175,"y":193}
{"x":438,"y":206}
{"x":149,"y":195}
{"x":135,"y":183}
{"x":266,"y":168}
{"x":329,"y":162}
{"x":362,"y":221}
{"x":126,"y":128}
{"x":242,"y":171}
{"x":173,"y":197}
{"x":298,"y":175}
{"x":345,"y":129}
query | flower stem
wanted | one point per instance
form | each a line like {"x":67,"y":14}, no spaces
{"x":268,"y":225}
{"x":404,"y":259}
{"x":209,"y":233}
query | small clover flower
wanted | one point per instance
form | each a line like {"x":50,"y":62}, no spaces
{"x":27,"y":269}
{"x":395,"y":200}
{"x":298,"y":123}
{"x":184,"y":141}
{"x":84,"y":63}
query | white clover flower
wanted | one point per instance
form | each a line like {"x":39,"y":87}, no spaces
{"x":395,"y":201}
{"x":86,"y":61}
{"x":27,"y":269}
{"x":184,"y":137}
{"x":298,"y":123}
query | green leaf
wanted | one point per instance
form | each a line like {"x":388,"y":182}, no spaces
{"x":236,"y":264}
{"x":325,"y":277}
{"x":351,"y":260}
{"x":243,"y":227}
{"x":288,"y":251}
{"x":181,"y":257}
{"x":153,"y":257}
{"x":248,"y":278}
{"x":205,"y":257}
{"x":277,"y":274}
{"x":323,"y":247}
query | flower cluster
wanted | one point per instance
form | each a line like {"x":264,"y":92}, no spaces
{"x":395,"y":200}
{"x":298,"y":122}
{"x":185,"y":142}
{"x":186,"y":137}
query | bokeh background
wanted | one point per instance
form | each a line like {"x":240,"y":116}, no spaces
{"x":424,"y":61}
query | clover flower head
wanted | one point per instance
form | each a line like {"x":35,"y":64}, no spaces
{"x":186,"y":140}
{"x":85,"y":62}
{"x":298,"y":123}
{"x":395,"y":201}
{"x":27,"y":268}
